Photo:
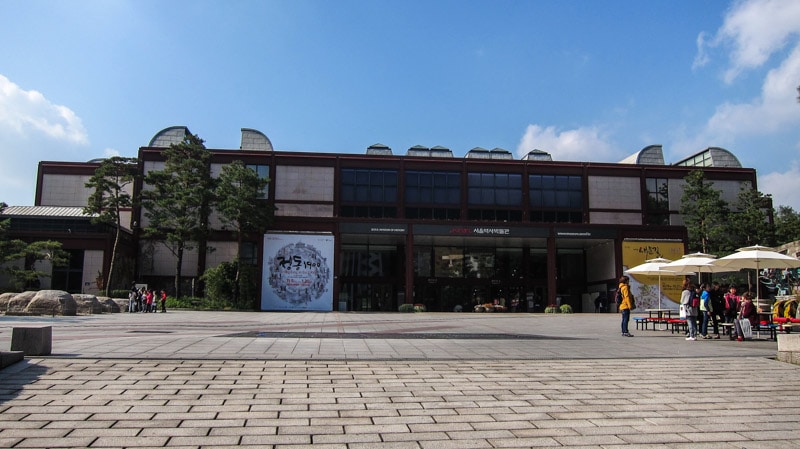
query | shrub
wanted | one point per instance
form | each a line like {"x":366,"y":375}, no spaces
{"x":551,"y":309}
{"x":406,"y":308}
{"x":565,"y":308}
{"x":221,"y":287}
{"x":120,"y":293}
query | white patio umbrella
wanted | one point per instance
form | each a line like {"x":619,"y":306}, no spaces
{"x":696,"y":263}
{"x":652,"y":267}
{"x":757,"y":257}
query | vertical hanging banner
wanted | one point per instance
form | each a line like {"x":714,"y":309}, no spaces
{"x":298,"y":272}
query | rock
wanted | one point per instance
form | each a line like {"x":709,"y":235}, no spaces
{"x":4,"y":299}
{"x":19,"y":303}
{"x":53,"y":301}
{"x":110,"y":305}
{"x":88,"y":304}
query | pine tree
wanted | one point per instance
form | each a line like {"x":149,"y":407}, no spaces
{"x":703,"y":211}
{"x":787,"y":225}
{"x":239,"y":202}
{"x":176,"y":200}
{"x":112,"y":183}
{"x":750,"y":222}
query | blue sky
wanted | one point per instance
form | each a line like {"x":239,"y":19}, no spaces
{"x":583,"y":80}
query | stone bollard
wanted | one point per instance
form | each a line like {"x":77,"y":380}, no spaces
{"x":32,"y":340}
{"x":789,"y":348}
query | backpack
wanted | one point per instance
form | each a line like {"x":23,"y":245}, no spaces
{"x":618,"y":297}
{"x":695,"y":300}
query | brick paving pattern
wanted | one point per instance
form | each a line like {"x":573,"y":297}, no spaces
{"x":185,"y":380}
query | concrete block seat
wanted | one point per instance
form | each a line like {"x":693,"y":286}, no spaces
{"x":8,"y":358}
{"x":32,"y":340}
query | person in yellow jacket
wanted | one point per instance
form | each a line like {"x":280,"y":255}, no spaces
{"x":625,"y":306}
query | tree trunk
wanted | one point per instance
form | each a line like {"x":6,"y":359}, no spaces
{"x":110,"y":275}
{"x":178,"y":267}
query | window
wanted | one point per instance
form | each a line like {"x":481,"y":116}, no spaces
{"x":373,"y":191}
{"x":368,"y":261}
{"x":657,"y":212}
{"x":502,"y":192}
{"x":432,"y":188}
{"x":248,"y":253}
{"x":70,"y":277}
{"x":556,"y":198}
{"x":427,"y":192}
{"x":263,"y":172}
{"x":494,"y":189}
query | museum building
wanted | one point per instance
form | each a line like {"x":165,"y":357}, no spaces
{"x":372,"y":231}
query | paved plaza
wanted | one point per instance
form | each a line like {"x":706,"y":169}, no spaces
{"x":187,"y":379}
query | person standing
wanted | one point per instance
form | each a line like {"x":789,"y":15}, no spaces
{"x":625,"y":305}
{"x":717,"y":307}
{"x":687,"y":296}
{"x":132,"y":299}
{"x":148,"y":297}
{"x":705,"y":309}
{"x":163,"y":301}
{"x":731,"y":304}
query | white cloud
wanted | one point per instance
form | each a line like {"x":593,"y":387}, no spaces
{"x":774,"y":110}
{"x":581,"y":144}
{"x":29,"y":112}
{"x":755,"y":30}
{"x":782,"y":186}
{"x":110,"y":152}
{"x":32,"y":128}
{"x":758,"y":33}
{"x":701,"y":58}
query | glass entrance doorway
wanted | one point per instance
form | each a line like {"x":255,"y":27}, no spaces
{"x":447,"y":296}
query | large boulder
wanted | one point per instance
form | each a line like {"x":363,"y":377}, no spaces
{"x":4,"y":299}
{"x":53,"y":301}
{"x":88,"y":304}
{"x":19,"y":303}
{"x":109,"y":305}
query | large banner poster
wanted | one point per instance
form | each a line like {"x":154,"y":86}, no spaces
{"x":298,"y":272}
{"x":645,"y":288}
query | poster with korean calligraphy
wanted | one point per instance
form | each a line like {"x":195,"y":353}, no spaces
{"x":298,"y":272}
{"x":645,"y":288}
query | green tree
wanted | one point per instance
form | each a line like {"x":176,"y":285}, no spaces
{"x":19,"y":257}
{"x":750,"y":222}
{"x":27,"y":276}
{"x":176,"y":200}
{"x":704,"y":213}
{"x":787,"y":225}
{"x":239,"y":201}
{"x":112,"y":186}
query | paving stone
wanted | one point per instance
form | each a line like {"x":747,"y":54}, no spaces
{"x":295,"y":392}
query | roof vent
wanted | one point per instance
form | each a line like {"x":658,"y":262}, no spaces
{"x":254,"y":140}
{"x":538,"y":155}
{"x":439,"y":151}
{"x":478,"y":153}
{"x":419,"y":151}
{"x":169,"y":136}
{"x":379,"y":149}
{"x":500,"y":153}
